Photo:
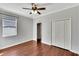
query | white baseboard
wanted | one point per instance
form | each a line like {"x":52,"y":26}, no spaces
{"x":46,"y":43}
{"x":14,"y":44}
{"x":77,"y":52}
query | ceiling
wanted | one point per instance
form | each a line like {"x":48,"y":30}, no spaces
{"x":50,"y":8}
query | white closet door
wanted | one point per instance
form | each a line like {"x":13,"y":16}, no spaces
{"x":59,"y":33}
{"x":68,"y":34}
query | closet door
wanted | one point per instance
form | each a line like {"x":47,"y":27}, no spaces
{"x":59,"y":34}
{"x":68,"y":34}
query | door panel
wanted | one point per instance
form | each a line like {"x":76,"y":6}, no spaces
{"x":63,"y":33}
{"x":68,"y":34}
{"x":59,"y":33}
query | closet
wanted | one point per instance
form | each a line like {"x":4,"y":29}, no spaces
{"x":62,"y":33}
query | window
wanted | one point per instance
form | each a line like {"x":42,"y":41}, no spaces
{"x":9,"y":26}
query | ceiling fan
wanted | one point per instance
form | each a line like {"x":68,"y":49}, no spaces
{"x":35,"y":9}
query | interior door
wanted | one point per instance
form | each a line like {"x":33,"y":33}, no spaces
{"x":68,"y":34}
{"x":59,"y":33}
{"x":63,"y":33}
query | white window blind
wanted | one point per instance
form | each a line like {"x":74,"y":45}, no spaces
{"x":9,"y":26}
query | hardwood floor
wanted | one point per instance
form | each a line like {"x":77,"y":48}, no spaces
{"x":31,"y":48}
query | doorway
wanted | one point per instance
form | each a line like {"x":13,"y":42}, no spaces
{"x":38,"y":33}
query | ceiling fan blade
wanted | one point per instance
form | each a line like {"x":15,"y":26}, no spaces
{"x":38,"y":12}
{"x":41,"y":8}
{"x":27,"y":8}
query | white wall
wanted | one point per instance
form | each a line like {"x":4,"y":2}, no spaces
{"x":24,"y":34}
{"x":72,"y":13}
{"x":46,"y":30}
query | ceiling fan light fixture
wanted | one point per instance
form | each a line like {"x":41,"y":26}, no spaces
{"x":35,"y":9}
{"x":34,"y":12}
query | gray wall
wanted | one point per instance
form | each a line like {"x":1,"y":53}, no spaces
{"x":24,"y":34}
{"x":46,"y":30}
{"x":72,"y":13}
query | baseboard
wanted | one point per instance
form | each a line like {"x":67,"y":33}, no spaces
{"x":46,"y":43}
{"x":77,"y":52}
{"x":14,"y":44}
